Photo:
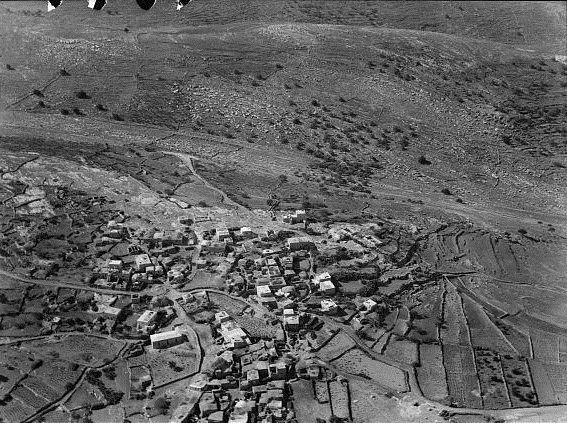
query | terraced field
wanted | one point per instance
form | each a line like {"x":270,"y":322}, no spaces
{"x":358,"y":363}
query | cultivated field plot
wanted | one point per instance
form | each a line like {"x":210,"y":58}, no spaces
{"x":484,"y":333}
{"x":518,"y":338}
{"x":431,"y":373}
{"x":358,"y":363}
{"x":22,"y":325}
{"x":550,"y":382}
{"x":371,"y":334}
{"x":321,"y":337}
{"x":455,"y":329}
{"x":232,"y":306}
{"x":204,"y":280}
{"x":58,"y":374}
{"x":255,"y":327}
{"x":382,"y":343}
{"x":321,"y":390}
{"x":427,"y":314}
{"x":42,"y":387}
{"x":338,"y":344}
{"x":307,"y":408}
{"x":81,"y":349}
{"x":545,"y":346}
{"x":491,"y":378}
{"x":339,"y":399}
{"x":15,"y":411}
{"x":172,"y":363}
{"x":402,"y":350}
{"x":518,"y":381}
{"x":26,"y":396}
{"x":85,"y":394}
{"x":462,"y":381}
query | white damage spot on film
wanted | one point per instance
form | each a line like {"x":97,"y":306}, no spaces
{"x":181,"y":3}
{"x":51,"y":6}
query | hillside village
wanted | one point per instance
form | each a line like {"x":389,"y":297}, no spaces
{"x":270,"y":298}
{"x":260,"y":323}
{"x":269,"y":211}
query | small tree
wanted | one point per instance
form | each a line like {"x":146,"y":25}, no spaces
{"x":161,"y":405}
{"x":82,"y":95}
{"x":422,"y":160}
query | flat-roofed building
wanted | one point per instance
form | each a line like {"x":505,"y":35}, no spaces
{"x":221,"y":317}
{"x":327,"y":287}
{"x":115,"y":265}
{"x":325,"y":276}
{"x":142,"y":261}
{"x":146,"y":321}
{"x":263,"y":291}
{"x":329,"y":306}
{"x":167,"y":339}
{"x":300,"y":243}
{"x":223,"y":235}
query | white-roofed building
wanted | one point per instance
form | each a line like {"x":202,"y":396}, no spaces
{"x":142,"y":261}
{"x":146,"y":321}
{"x":327,"y":287}
{"x":325,"y":276}
{"x":263,"y":291}
{"x":369,"y":304}
{"x":223,"y":234}
{"x":329,"y":306}
{"x":221,"y":317}
{"x":233,"y":334}
{"x":115,"y":265}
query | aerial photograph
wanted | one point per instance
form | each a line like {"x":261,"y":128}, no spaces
{"x":283,"y":211}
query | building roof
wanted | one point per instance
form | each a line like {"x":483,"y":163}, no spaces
{"x":146,"y":316}
{"x":163,"y":336}
{"x":326,"y":285}
{"x":300,"y":239}
{"x":322,"y":277}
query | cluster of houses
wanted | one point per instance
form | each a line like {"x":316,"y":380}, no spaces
{"x":246,"y":382}
{"x":150,"y":258}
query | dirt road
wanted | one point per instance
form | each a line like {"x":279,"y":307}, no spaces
{"x":225,"y":200}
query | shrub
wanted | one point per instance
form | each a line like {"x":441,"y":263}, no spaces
{"x":315,"y":103}
{"x":64,"y":72}
{"x":9,"y":67}
{"x":64,"y":112}
{"x":446,"y":191}
{"x":522,"y":231}
{"x":237,"y":72}
{"x":100,"y":107}
{"x":82,"y":95}
{"x":38,"y":93}
{"x":422,"y":160}
{"x":161,"y":405}
{"x":117,"y":117}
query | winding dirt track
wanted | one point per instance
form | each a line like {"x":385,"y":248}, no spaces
{"x":225,"y":200}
